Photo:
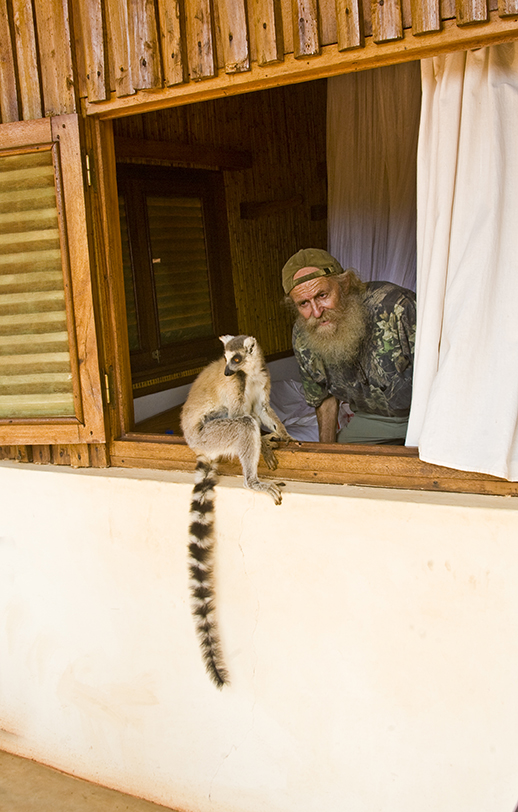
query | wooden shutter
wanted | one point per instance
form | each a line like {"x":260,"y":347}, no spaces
{"x":180,"y":268}
{"x":50,"y":390}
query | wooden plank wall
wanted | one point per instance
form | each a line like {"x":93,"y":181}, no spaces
{"x":276,"y":203}
{"x":55,"y":52}
{"x":115,"y":57}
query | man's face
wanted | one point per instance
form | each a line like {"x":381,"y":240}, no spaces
{"x":316,"y":297}
{"x":333,"y":319}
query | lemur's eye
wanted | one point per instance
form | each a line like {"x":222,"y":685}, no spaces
{"x":236,"y":359}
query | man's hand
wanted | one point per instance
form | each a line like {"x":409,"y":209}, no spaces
{"x":327,"y":417}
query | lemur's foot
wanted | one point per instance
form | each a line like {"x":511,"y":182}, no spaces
{"x":267,"y":487}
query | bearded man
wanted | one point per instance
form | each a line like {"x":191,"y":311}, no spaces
{"x":354,"y":343}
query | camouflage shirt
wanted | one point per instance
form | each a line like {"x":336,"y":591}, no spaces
{"x":381,"y":380}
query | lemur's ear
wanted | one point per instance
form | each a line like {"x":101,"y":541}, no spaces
{"x":249,"y":343}
{"x":225,"y":339}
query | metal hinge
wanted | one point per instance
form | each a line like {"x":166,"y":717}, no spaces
{"x":89,"y":169}
{"x":107,"y":388}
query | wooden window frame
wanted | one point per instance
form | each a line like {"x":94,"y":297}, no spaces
{"x":379,"y":466}
{"x":178,"y":359}
{"x":61,"y":135}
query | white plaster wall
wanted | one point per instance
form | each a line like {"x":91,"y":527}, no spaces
{"x":371,"y":638}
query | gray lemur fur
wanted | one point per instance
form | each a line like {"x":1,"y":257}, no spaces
{"x":222,"y":417}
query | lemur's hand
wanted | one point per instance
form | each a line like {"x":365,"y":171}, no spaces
{"x":268,"y":443}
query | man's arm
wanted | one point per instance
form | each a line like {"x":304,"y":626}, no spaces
{"x":327,"y":416}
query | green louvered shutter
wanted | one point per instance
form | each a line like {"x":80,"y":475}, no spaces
{"x":35,"y":371}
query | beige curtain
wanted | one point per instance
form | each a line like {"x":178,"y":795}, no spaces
{"x":372,"y":130}
{"x":465,"y":401}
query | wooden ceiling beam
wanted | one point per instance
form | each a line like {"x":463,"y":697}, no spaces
{"x":216,"y":157}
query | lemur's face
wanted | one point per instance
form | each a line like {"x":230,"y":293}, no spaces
{"x":234,"y":362}
{"x":238,"y":350}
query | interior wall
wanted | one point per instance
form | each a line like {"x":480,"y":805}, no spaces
{"x":284,"y":130}
{"x":370,"y":637}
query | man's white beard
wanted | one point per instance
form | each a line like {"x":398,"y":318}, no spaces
{"x":339,"y":341}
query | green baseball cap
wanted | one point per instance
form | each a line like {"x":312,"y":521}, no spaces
{"x":317,"y":258}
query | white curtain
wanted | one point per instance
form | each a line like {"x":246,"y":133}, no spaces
{"x":465,"y":402}
{"x":372,"y":129}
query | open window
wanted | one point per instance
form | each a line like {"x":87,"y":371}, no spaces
{"x":50,"y":388}
{"x":275,"y":203}
{"x":206,"y":216}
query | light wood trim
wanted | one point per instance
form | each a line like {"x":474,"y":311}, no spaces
{"x":63,"y":260}
{"x":26,"y":56}
{"x":35,"y":432}
{"x":216,"y":157}
{"x":268,"y":31}
{"x":8,"y":93}
{"x":173,"y":57}
{"x":55,"y":52}
{"x":330,"y":63}
{"x":112,"y":299}
{"x":80,"y":259}
{"x":349,"y":24}
{"x":380,"y":466}
{"x":26,"y":134}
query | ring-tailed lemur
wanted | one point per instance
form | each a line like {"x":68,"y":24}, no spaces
{"x":222,"y":417}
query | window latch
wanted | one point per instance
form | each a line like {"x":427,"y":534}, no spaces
{"x":156,"y":355}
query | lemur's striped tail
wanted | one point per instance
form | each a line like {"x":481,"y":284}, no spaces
{"x":201,"y":565}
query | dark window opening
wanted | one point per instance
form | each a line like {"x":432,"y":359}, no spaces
{"x":177,"y":271}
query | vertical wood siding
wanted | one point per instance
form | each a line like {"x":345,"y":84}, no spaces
{"x":171,"y":42}
{"x":55,"y":57}
{"x":8,"y":96}
{"x":425,"y":17}
{"x":387,"y":20}
{"x":306,"y":40}
{"x":89,"y":48}
{"x":266,"y":24}
{"x":31,"y":105}
{"x":199,"y":38}
{"x":349,"y":22}
{"x":53,"y":53}
{"x":233,"y":33}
